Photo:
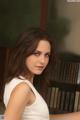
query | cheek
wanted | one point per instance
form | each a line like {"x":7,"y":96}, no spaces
{"x":47,"y":61}
{"x":29,"y":62}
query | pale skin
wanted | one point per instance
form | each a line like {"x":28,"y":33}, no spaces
{"x":22,"y":94}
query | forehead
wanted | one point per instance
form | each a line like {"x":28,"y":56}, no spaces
{"x":44,"y":45}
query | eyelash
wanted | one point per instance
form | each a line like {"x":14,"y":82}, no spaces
{"x":37,"y":54}
{"x":47,"y":55}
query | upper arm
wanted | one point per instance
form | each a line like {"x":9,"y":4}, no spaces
{"x":19,"y":98}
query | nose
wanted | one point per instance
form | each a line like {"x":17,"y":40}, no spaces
{"x":42,"y":59}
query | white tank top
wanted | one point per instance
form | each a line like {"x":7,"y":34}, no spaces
{"x":37,"y":110}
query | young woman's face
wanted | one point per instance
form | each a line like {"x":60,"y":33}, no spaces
{"x":38,"y":61}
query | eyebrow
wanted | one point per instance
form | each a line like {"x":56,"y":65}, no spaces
{"x":48,"y":52}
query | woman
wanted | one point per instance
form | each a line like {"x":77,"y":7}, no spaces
{"x":31,"y":57}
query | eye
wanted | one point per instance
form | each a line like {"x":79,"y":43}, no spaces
{"x":47,"y":55}
{"x":36,"y":53}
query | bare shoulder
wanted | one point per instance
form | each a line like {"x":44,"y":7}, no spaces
{"x":21,"y":89}
{"x":19,"y":98}
{"x":21,"y":93}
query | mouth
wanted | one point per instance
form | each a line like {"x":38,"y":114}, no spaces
{"x":40,"y":67}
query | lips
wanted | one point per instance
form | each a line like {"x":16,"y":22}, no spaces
{"x":40,"y":67}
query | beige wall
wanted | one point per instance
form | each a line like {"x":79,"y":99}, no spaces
{"x":72,"y":11}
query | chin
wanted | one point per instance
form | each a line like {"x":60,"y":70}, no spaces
{"x":38,"y":73}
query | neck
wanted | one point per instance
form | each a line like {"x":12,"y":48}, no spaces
{"x":30,"y":78}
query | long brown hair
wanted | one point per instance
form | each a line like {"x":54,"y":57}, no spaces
{"x":26,"y":44}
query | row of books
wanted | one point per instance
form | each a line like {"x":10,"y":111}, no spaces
{"x":66,"y":72}
{"x":63,"y":100}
